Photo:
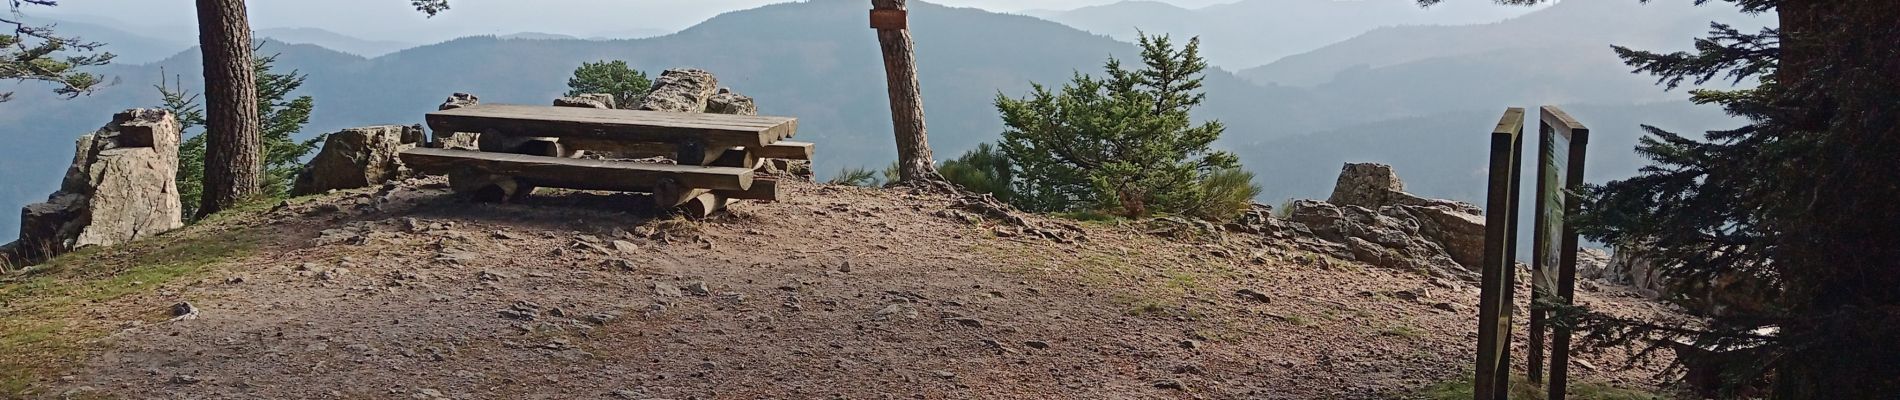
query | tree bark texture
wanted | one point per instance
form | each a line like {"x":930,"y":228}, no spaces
{"x":914,"y":159}
{"x":233,"y":166}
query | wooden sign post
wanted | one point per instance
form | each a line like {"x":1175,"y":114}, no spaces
{"x":1493,"y":375}
{"x":1561,"y":148}
{"x":892,"y":20}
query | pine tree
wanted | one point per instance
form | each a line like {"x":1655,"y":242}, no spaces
{"x":37,"y":53}
{"x":626,"y":84}
{"x":984,"y":169}
{"x":1124,"y":143}
{"x":282,"y":119}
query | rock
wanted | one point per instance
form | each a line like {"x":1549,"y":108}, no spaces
{"x":969,"y":322}
{"x":625,"y":246}
{"x":184,"y":310}
{"x":358,"y":158}
{"x":1036,"y":344}
{"x":186,"y":380}
{"x":458,"y":100}
{"x":895,"y":311}
{"x":681,"y":90}
{"x":728,"y":102}
{"x":456,"y":140}
{"x":1378,"y":239}
{"x":120,"y":187}
{"x":1446,"y":307}
{"x":1170,"y":384}
{"x":592,"y":100}
{"x":698,"y":289}
{"x":1254,"y":295}
{"x":1594,"y":264}
{"x":667,"y":290}
{"x":1366,"y":185}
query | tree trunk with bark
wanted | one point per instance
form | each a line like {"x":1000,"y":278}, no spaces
{"x":914,"y":159}
{"x":233,"y":167}
{"x":1840,"y":76}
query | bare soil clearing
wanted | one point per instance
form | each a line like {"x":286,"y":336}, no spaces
{"x":838,"y":292}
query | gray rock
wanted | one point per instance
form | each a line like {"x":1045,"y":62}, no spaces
{"x":729,"y":102}
{"x":681,"y":90}
{"x":458,"y":100}
{"x":1366,"y":185}
{"x":667,"y":290}
{"x":456,"y":140}
{"x":698,"y":289}
{"x":601,"y":101}
{"x":120,"y":187}
{"x":358,"y":158}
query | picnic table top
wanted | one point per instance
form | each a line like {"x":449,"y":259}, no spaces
{"x":627,"y":125}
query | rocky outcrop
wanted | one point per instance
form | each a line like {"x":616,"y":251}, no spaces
{"x":457,"y":140}
{"x":729,"y":102}
{"x":681,"y":90}
{"x":121,"y":187}
{"x":1636,"y":267}
{"x":357,"y":158}
{"x":1370,"y":218}
{"x":1392,"y":237}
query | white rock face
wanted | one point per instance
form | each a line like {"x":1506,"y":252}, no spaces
{"x":121,"y":187}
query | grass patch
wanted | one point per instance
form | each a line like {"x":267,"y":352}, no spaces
{"x":1522,"y":388}
{"x":1403,"y":331}
{"x":1300,"y":321}
{"x":38,"y":307}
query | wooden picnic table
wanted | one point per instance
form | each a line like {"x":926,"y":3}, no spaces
{"x":717,"y":154}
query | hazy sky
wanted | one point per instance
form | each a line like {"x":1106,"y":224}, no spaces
{"x":395,"y":19}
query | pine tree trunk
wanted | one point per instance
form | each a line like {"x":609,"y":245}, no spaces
{"x":914,"y":159}
{"x":1842,"y":246}
{"x":233,"y":167}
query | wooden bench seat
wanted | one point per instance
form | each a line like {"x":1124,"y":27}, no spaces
{"x":622,"y":126}
{"x":581,"y":174}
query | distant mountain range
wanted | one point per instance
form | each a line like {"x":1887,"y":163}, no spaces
{"x":334,"y":41}
{"x":815,"y":60}
{"x":1249,"y":33}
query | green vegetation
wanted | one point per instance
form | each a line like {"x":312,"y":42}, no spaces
{"x":36,"y":307}
{"x":1124,"y":144}
{"x":1522,"y":388}
{"x":626,"y":84}
{"x":283,"y":155}
{"x":856,"y":176}
{"x":1403,"y":331}
{"x":984,"y":169}
{"x":36,"y":53}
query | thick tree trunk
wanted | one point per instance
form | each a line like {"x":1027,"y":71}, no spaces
{"x":1842,"y":247}
{"x":914,"y":159}
{"x":233,"y":167}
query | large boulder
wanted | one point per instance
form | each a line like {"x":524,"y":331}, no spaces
{"x":1366,"y":185}
{"x":121,"y":187}
{"x":358,"y":157}
{"x":729,"y":102}
{"x":681,"y":90}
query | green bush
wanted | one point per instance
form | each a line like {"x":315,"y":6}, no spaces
{"x":984,"y":169}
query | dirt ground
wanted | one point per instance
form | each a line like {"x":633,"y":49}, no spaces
{"x":837,"y":292}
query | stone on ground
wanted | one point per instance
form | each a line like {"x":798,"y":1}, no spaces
{"x":358,"y":158}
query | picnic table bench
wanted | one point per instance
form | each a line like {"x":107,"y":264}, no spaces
{"x":525,"y":147}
